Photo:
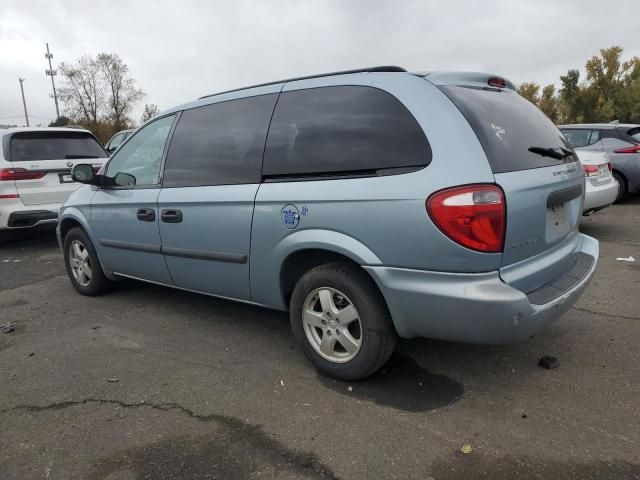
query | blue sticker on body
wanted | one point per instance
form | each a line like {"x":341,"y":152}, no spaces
{"x":290,"y":216}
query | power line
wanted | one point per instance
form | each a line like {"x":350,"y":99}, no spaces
{"x":52,"y":73}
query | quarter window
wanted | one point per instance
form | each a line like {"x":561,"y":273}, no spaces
{"x":219,"y":144}
{"x":342,"y":129}
{"x":142,"y":155}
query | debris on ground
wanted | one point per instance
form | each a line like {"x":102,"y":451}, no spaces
{"x":113,"y":380}
{"x":282,"y":382}
{"x":95,"y":327}
{"x":549,"y":362}
{"x":626,"y":259}
{"x":350,"y":389}
{"x":466,"y":449}
{"x":8,"y":327}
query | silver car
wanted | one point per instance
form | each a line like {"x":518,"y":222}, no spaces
{"x":621,"y":143}
{"x":370,"y":204}
{"x":601,"y":188}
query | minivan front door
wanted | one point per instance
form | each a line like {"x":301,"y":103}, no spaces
{"x":124,"y":218}
{"x":211,"y":177}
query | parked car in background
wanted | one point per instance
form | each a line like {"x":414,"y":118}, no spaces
{"x":117,"y":140}
{"x":370,"y":204}
{"x":621,"y":143}
{"x":35,"y":171}
{"x":601,"y":188}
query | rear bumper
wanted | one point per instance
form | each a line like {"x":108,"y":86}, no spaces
{"x":600,"y":196}
{"x":474,"y":308}
{"x":15,"y":215}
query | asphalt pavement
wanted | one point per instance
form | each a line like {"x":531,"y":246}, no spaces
{"x":147,"y":382}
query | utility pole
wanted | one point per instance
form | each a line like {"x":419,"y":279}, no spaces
{"x":24,"y":103}
{"x":52,"y":73}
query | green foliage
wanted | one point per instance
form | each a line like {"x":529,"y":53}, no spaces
{"x":610,"y":91}
{"x":60,"y":122}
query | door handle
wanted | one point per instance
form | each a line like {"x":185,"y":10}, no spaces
{"x":146,"y":214}
{"x":171,"y":216}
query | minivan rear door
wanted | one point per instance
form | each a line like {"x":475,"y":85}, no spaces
{"x":44,"y":160}
{"x":539,"y":173}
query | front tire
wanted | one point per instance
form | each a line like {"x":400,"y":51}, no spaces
{"x":82,"y":264}
{"x":341,"y":321}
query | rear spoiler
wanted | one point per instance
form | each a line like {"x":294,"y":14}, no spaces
{"x":471,"y":79}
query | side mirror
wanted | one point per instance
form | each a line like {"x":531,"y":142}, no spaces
{"x":124,"y":180}
{"x":83,"y":173}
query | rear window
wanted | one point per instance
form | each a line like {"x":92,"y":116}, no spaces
{"x":581,"y":138}
{"x":507,"y":125}
{"x":342,"y":129}
{"x":634,"y":133}
{"x":36,"y":146}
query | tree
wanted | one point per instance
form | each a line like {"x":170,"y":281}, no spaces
{"x":83,"y":91}
{"x":61,"y":121}
{"x":99,"y":93}
{"x":548,"y":103}
{"x":122,"y":92}
{"x":150,"y":111}
{"x":530,"y":90}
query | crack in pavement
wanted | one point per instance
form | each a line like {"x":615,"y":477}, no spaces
{"x":610,"y":315}
{"x":245,"y":437}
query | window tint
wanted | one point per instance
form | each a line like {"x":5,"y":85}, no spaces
{"x":116,"y":141}
{"x":581,"y":138}
{"x":342,"y":129}
{"x":634,"y":133}
{"x":219,"y":144}
{"x":507,"y":125}
{"x":142,"y":156}
{"x":35,"y":146}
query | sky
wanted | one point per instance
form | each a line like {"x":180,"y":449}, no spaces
{"x":180,"y":50}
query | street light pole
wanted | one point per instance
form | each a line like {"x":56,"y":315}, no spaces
{"x":24,"y":103}
{"x":52,"y":73}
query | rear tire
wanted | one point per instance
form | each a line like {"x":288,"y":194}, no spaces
{"x":83,"y":265}
{"x":341,"y":321}
{"x":622,"y":186}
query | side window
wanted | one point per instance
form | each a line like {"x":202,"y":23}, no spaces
{"x":342,"y":129}
{"x":594,"y":137}
{"x":577,"y":138}
{"x":219,"y":144}
{"x":142,"y":156}
{"x":116,"y":141}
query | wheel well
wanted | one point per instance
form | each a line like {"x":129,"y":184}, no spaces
{"x":66,"y":225}
{"x":300,"y":262}
{"x":624,"y":178}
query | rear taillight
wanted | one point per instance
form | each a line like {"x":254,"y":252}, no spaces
{"x":609,"y":167}
{"x":9,"y":196}
{"x":20,"y":174}
{"x":631,"y":149}
{"x":473,"y":216}
{"x":590,"y":170}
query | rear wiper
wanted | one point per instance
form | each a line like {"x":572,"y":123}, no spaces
{"x":559,"y":153}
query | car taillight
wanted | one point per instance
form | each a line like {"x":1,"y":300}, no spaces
{"x":609,"y":167}
{"x":590,"y":170}
{"x":497,"y":82}
{"x":20,"y":174}
{"x":631,"y":149}
{"x":473,"y":216}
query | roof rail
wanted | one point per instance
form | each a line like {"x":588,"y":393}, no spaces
{"x":330,"y":74}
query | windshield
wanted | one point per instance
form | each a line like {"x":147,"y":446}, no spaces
{"x":36,"y":146}
{"x":512,"y":131}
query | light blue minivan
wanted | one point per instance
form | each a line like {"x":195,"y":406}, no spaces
{"x":370,"y":204}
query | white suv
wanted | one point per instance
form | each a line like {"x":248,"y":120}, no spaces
{"x":35,"y":171}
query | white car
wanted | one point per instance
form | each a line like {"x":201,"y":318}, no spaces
{"x":35,"y":171}
{"x":601,"y":188}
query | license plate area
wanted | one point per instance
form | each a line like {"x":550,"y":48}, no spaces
{"x":558,"y":215}
{"x":65,"y":178}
